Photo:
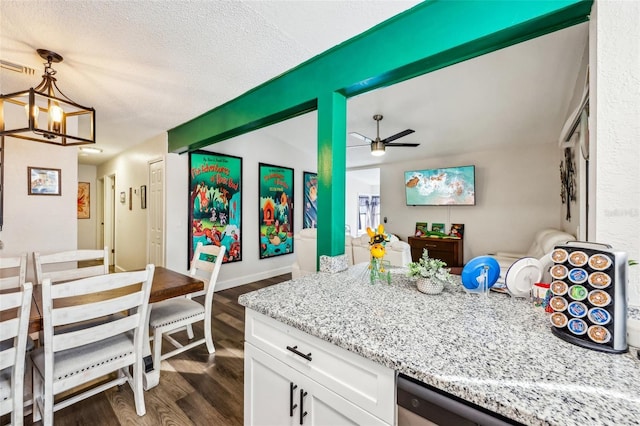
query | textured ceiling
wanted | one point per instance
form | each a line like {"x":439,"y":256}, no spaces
{"x":148,"y":66}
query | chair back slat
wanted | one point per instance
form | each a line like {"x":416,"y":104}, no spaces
{"x":74,"y":314}
{"x":63,"y":266}
{"x":7,"y":358}
{"x":100,"y":283}
{"x":95,"y":333}
{"x":15,"y":308}
{"x":13,"y":271}
{"x":9,"y":329}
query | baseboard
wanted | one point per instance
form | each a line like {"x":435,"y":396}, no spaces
{"x":246,"y":279}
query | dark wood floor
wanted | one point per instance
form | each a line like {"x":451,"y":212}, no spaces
{"x":195,"y":388}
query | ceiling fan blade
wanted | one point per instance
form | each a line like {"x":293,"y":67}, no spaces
{"x":398,"y":135}
{"x":361,"y":137}
{"x":413,"y":145}
{"x":359,"y":146}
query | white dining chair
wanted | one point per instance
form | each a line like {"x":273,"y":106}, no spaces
{"x":177,"y":314}
{"x":102,"y":344}
{"x":15,"y":308}
{"x":63,"y":266}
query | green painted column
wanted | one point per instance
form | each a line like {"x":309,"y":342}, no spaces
{"x":332,"y":166}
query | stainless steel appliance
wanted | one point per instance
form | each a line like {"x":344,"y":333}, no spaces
{"x":422,"y":405}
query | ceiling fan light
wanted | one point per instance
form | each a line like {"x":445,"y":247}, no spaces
{"x":377,"y":148}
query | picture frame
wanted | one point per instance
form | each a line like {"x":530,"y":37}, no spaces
{"x":310,"y":213}
{"x":44,"y":181}
{"x":123,"y":197}
{"x":275,"y":212}
{"x":421,"y":229}
{"x":143,"y":197}
{"x":84,"y":200}
{"x":215,"y":203}
{"x":457,"y":230}
{"x":437,"y":227}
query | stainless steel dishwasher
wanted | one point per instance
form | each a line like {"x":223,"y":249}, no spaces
{"x":421,"y":405}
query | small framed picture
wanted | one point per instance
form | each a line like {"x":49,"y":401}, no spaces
{"x":421,"y":229}
{"x":44,"y":181}
{"x":437,"y":227}
{"x":143,"y":196}
{"x":457,"y":230}
{"x":123,"y":197}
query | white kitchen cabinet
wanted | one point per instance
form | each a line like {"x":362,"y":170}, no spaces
{"x":289,"y":373}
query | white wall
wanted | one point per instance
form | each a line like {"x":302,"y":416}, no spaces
{"x":517,"y":193}
{"x":87,"y":227}
{"x":254,"y":147}
{"x":356,"y":186}
{"x":614,"y":141}
{"x":43,"y":223}
{"x":131,"y":170}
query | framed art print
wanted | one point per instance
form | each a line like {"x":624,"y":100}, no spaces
{"x":275,"y":213}
{"x":84,"y":200}
{"x":310,"y":214}
{"x":44,"y":181}
{"x":215,"y":202}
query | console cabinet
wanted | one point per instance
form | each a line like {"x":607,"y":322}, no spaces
{"x":448,"y":250}
{"x":293,"y":378}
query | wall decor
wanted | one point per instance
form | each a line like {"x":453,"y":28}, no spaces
{"x":568,"y":181}
{"x":421,"y":229}
{"x":215,"y":202}
{"x":130,"y":198}
{"x":457,"y":230}
{"x":275,"y":213}
{"x":143,"y":197}
{"x":437,"y":227}
{"x":310,"y":215}
{"x":84,"y":200}
{"x":123,"y":197}
{"x":44,"y":181}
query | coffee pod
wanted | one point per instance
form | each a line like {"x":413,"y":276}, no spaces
{"x":578,"y":258}
{"x":599,"y":298}
{"x":559,"y":255}
{"x":577,"y":309}
{"x":558,"y":303}
{"x":559,"y":288}
{"x":599,"y":316}
{"x":559,"y":272}
{"x":578,"y":275}
{"x":599,"y":280}
{"x":578,"y":292}
{"x":599,"y":334}
{"x":558,"y":319}
{"x":577,"y":326}
{"x":599,"y":262}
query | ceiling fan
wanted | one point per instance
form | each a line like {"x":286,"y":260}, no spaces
{"x":378,"y":145}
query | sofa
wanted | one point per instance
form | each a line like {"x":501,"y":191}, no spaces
{"x":398,"y":253}
{"x":543,"y":243}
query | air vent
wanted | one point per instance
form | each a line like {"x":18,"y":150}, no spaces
{"x":12,"y":66}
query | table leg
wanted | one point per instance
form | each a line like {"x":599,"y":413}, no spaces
{"x":150,"y":377}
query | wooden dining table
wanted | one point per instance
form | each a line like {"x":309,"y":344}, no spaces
{"x":166,"y":284}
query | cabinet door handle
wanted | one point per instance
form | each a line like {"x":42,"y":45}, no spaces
{"x":297,"y":352}
{"x":302,"y":412}
{"x":292,"y":406}
{"x":430,"y":245}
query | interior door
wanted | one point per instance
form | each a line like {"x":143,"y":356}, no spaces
{"x":156,"y":213}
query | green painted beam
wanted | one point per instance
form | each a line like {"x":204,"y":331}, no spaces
{"x":432,"y":35}
{"x":332,"y":164}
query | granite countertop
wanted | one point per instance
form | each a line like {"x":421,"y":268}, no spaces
{"x":495,"y":351}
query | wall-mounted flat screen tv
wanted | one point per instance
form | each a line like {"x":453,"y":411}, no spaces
{"x":451,"y":186}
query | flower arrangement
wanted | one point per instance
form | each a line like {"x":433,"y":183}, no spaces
{"x":429,"y":268}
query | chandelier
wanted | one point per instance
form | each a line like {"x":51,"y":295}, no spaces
{"x":45,"y":114}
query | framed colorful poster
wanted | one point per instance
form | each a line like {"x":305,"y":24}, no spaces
{"x":84,"y":200}
{"x":275,"y":213}
{"x":215,"y":202}
{"x":310,"y":217}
